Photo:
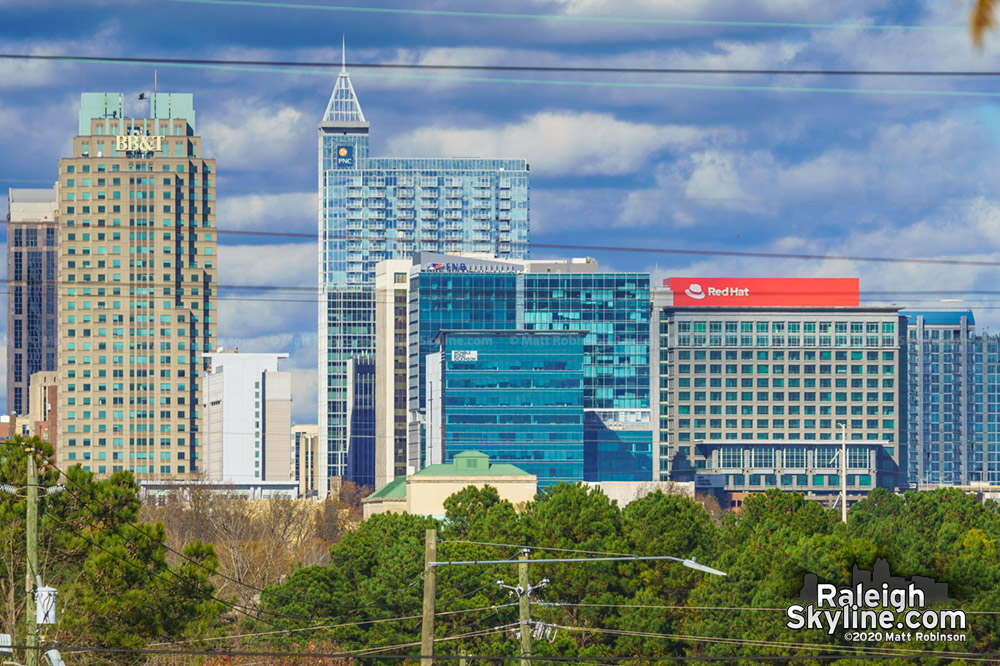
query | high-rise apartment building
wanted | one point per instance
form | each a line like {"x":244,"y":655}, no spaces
{"x":247,"y":408}
{"x":32,"y":246}
{"x":373,"y":209}
{"x":137,"y":277}
{"x":758,"y":380}
{"x":953,"y":388}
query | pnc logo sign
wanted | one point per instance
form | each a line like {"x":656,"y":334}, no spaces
{"x":138,"y":142}
{"x":344,"y":156}
{"x":765,"y":292}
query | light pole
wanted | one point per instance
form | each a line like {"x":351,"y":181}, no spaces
{"x":843,"y":471}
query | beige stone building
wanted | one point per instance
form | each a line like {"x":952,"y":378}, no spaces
{"x":137,"y":288}
{"x":424,"y":492}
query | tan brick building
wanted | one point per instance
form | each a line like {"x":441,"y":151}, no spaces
{"x":137,"y":273}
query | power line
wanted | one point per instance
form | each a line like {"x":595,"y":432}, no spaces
{"x":445,"y":657}
{"x":957,"y":73}
{"x":512,"y":81}
{"x":572,"y":17}
{"x":511,"y":545}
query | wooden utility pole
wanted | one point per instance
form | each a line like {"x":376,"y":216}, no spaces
{"x":427,"y":627}
{"x":524,"y":607}
{"x":31,"y":656}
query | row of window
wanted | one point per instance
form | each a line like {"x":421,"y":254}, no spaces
{"x":872,"y":327}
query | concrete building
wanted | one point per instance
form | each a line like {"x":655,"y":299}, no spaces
{"x":516,"y":396}
{"x":43,"y":404}
{"x":137,"y":256}
{"x":306,"y":470}
{"x":424,"y":492}
{"x":757,"y":376}
{"x":373,"y":209}
{"x":32,"y":249}
{"x":392,"y":297}
{"x":248,"y":424}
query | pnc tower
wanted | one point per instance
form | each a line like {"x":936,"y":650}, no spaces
{"x":377,"y":208}
{"x":136,"y":273}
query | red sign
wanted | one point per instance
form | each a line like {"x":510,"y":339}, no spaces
{"x":765,"y":292}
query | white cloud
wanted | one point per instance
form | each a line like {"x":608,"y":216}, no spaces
{"x":291,"y":211}
{"x":249,"y":133}
{"x":560,"y":142}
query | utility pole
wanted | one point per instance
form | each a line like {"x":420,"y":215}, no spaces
{"x":31,"y":658}
{"x":524,"y":607}
{"x":427,"y":626}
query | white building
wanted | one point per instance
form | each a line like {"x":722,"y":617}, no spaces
{"x":247,"y":419}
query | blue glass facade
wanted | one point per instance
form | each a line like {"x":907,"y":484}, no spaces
{"x":386,"y":208}
{"x":361,"y":422}
{"x":516,"y":396}
{"x":612,"y":309}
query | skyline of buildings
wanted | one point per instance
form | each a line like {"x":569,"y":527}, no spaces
{"x":377,"y":208}
{"x":936,"y":397}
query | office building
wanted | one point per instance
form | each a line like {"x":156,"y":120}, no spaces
{"x":516,"y":396}
{"x":378,"y":208}
{"x":306,"y":469}
{"x":137,"y":273}
{"x":32,"y":248}
{"x":247,"y":407}
{"x":475,"y":293}
{"x":43,"y":401}
{"x":760,"y":378}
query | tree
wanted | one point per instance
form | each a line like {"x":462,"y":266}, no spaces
{"x":981,"y":19}
{"x":116,"y":586}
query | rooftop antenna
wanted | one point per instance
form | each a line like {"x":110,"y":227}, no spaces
{"x":343,"y":53}
{"x":154,"y":81}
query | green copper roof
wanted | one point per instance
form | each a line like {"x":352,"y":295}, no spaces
{"x":472,"y":463}
{"x":394,"y":489}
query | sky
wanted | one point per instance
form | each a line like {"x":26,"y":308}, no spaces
{"x":888,"y":166}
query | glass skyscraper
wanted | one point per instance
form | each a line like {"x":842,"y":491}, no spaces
{"x":373,"y":209}
{"x":32,"y":249}
{"x":458,"y":293}
{"x":515,"y":395}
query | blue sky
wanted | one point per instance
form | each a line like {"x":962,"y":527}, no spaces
{"x":843,"y":173}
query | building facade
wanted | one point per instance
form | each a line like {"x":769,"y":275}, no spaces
{"x":392,"y":298}
{"x":137,"y":275}
{"x":32,"y":255}
{"x":776,"y":382}
{"x":247,"y":406}
{"x":361,"y":421}
{"x":954,"y":397}
{"x":373,"y":209}
{"x":306,"y":469}
{"x":517,"y":396}
{"x":476,"y":293}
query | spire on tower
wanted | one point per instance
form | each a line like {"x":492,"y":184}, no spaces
{"x":343,"y":105}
